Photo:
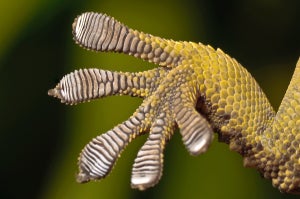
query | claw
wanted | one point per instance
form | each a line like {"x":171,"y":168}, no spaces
{"x":57,"y":92}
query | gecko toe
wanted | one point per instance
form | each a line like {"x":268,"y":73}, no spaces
{"x":148,"y":165}
{"x":196,"y":132}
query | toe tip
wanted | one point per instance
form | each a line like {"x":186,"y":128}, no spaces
{"x":143,"y":181}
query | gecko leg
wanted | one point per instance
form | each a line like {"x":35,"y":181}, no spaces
{"x":197,"y":89}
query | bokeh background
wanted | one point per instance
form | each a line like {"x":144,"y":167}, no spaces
{"x":40,"y":138}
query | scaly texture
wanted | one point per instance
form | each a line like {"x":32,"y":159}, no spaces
{"x":196,"y":89}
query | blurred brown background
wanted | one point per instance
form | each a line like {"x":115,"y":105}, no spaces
{"x":40,"y":138}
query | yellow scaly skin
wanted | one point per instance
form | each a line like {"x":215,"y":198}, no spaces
{"x":197,"y":87}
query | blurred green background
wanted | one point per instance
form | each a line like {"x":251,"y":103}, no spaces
{"x":41,"y":138}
